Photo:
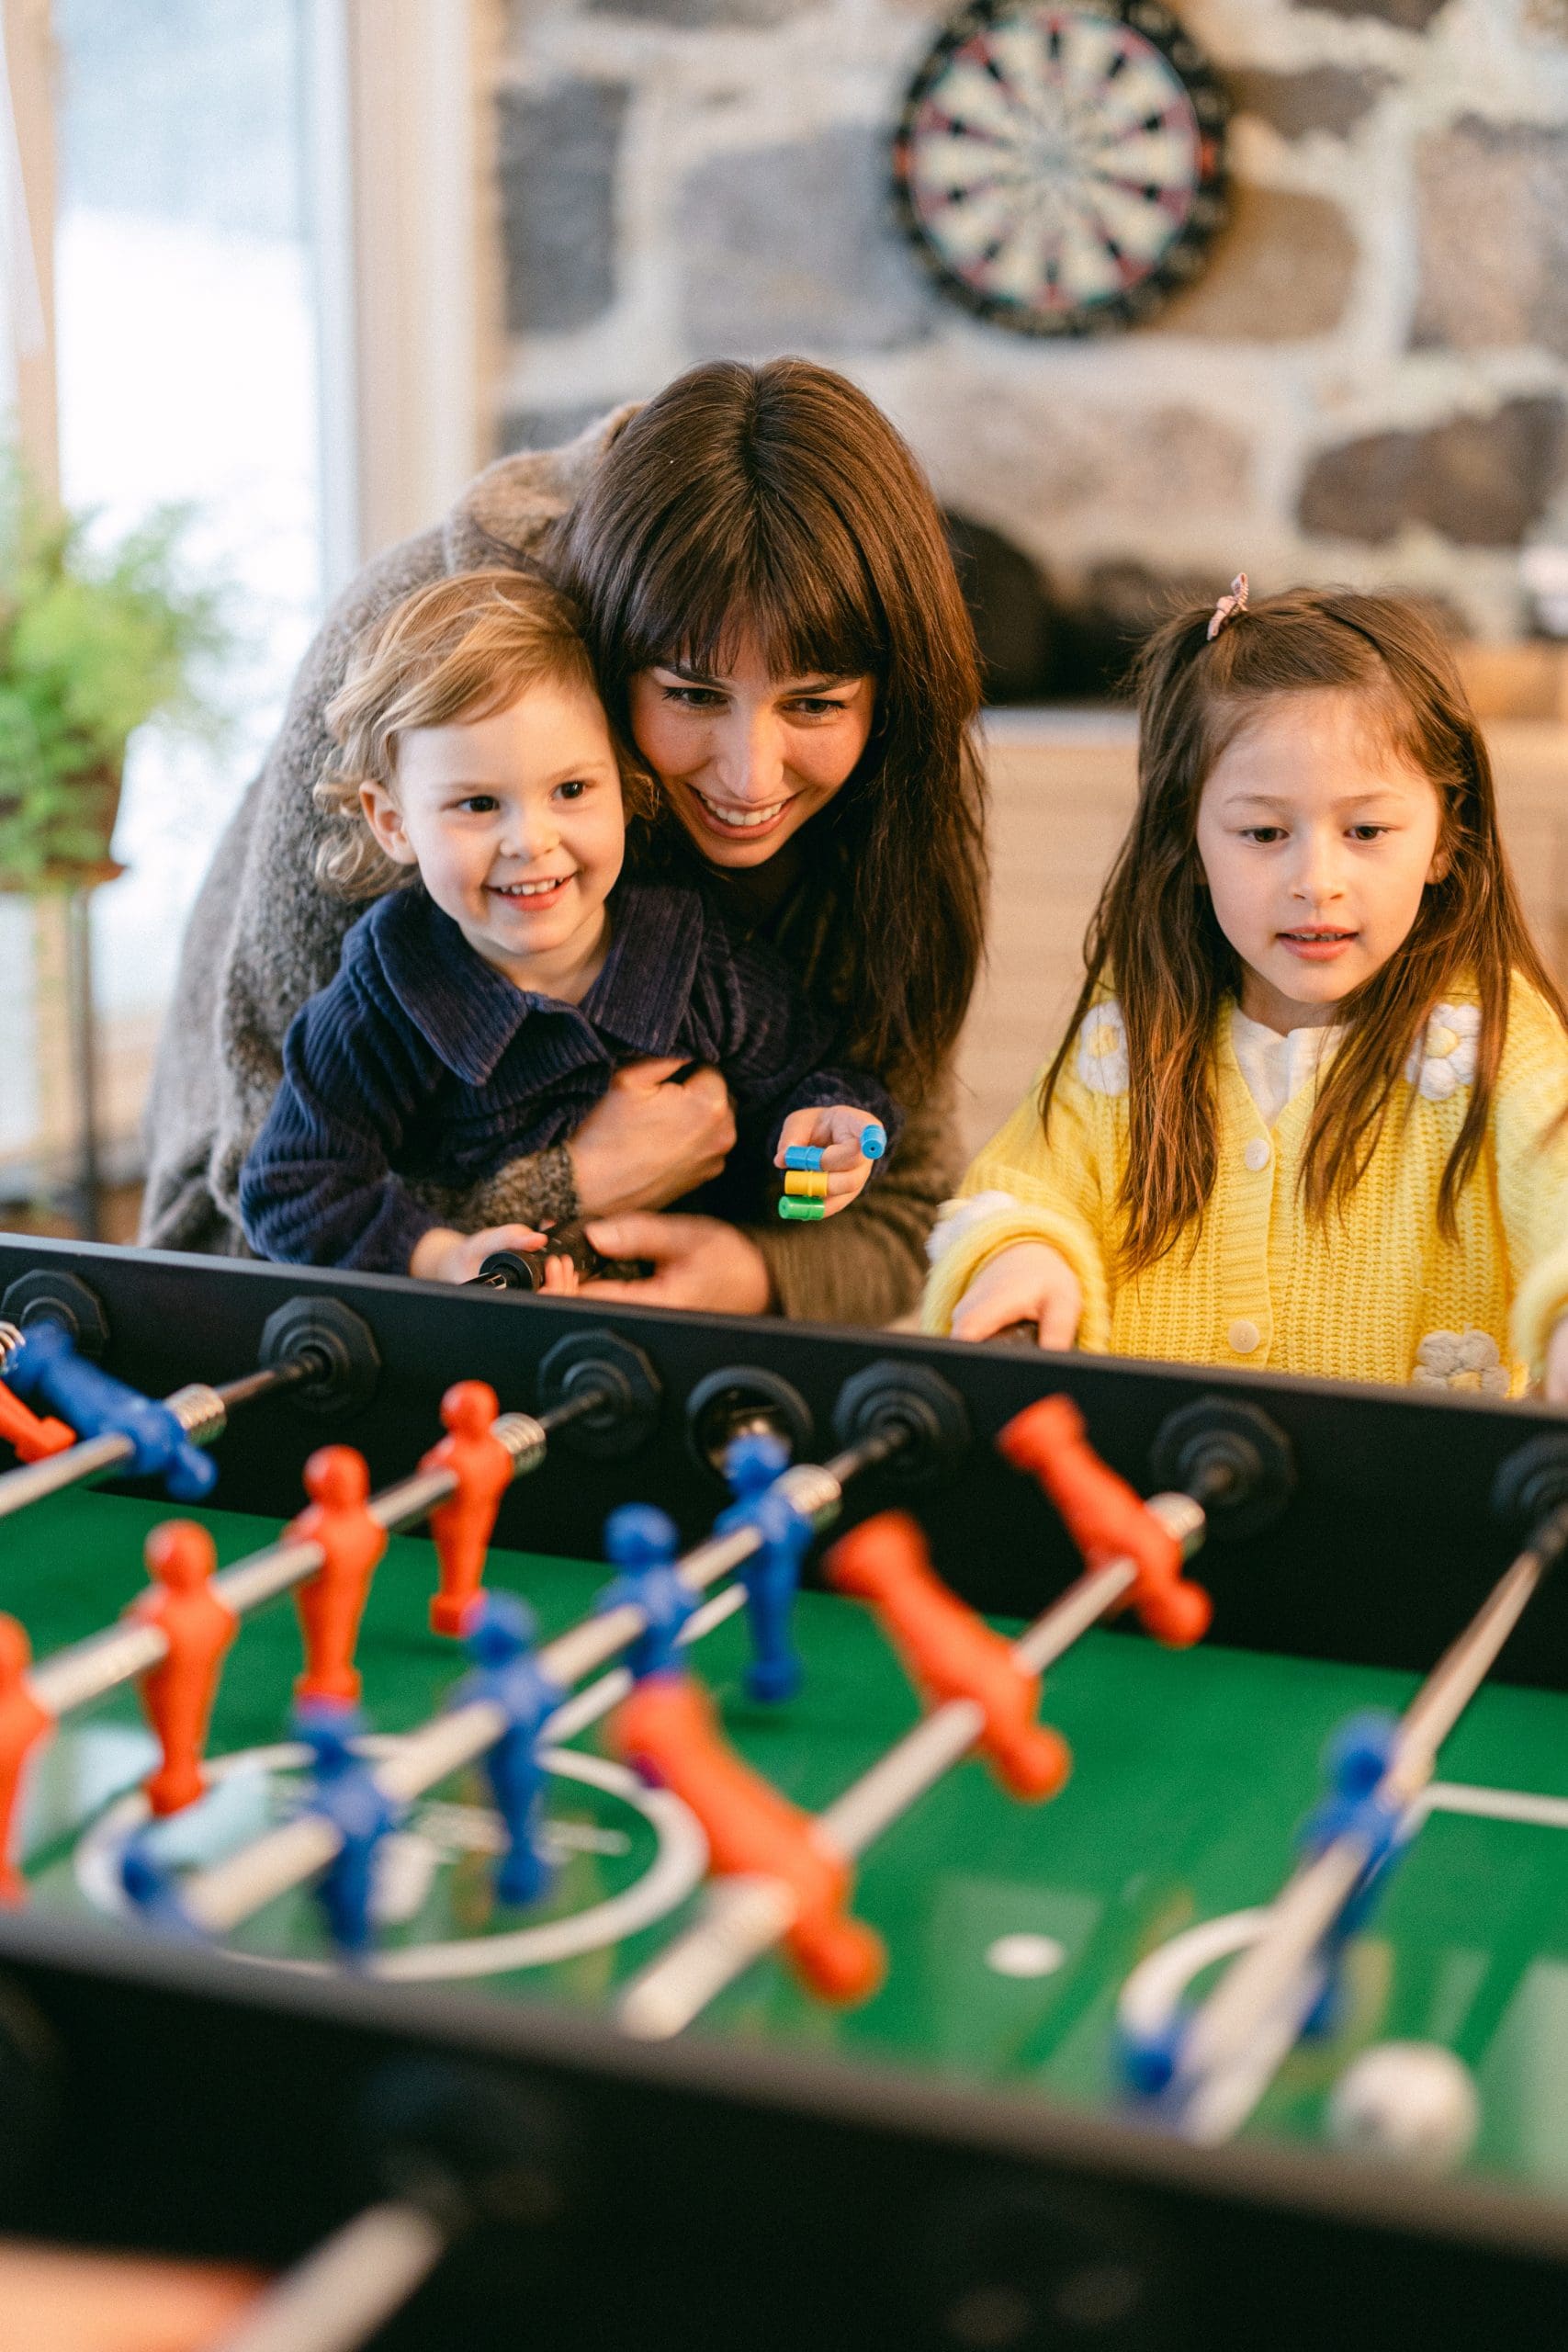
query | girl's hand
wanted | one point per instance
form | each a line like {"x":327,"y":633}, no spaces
{"x":1556,"y":1381}
{"x":1031,"y":1283}
{"x":648,"y":1142}
{"x":445,"y":1256}
{"x":697,"y":1261}
{"x":836,"y":1129}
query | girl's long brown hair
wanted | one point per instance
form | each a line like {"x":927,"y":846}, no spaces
{"x":778,"y":503}
{"x":1155,"y":940}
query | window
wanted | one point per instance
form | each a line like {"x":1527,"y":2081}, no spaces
{"x":187,"y":371}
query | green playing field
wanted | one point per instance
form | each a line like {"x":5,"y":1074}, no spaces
{"x":1010,"y":1929}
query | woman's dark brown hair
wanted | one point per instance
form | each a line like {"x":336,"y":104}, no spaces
{"x":1154,"y":938}
{"x":778,"y":504}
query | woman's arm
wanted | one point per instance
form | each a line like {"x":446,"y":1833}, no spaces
{"x":263,"y":937}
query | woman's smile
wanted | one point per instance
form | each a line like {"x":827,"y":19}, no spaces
{"x":738,"y":816}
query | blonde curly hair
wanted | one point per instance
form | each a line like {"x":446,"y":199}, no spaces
{"x":459,"y":648}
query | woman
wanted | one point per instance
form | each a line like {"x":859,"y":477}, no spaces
{"x":764,"y":579}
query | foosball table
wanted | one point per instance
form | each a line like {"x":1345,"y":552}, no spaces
{"x":532,"y":1819}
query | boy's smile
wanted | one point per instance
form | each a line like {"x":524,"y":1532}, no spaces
{"x":515,"y":823}
{"x":1317,"y":838}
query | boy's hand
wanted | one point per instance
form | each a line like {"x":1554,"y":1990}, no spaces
{"x":1556,"y":1381}
{"x":443,"y":1256}
{"x":1031,"y":1283}
{"x":837,"y":1131}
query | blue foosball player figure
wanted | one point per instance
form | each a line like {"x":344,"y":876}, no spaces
{"x":500,"y":1642}
{"x":45,"y":1369}
{"x":771,"y":1575}
{"x":642,"y":1542}
{"x":343,"y":1789}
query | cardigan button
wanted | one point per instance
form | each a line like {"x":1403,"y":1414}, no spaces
{"x":1245,"y":1336}
{"x":1257,"y":1153}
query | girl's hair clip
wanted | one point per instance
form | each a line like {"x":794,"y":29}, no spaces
{"x":1228,"y":606}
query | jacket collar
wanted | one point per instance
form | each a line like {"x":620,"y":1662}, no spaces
{"x":468,"y":1013}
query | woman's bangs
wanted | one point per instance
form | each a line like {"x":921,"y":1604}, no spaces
{"x":804,"y":615}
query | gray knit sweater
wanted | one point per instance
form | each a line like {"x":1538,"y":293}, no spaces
{"x":264,"y":936}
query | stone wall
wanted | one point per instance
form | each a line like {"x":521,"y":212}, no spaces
{"x":1370,"y":381}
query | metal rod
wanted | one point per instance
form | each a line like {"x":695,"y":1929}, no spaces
{"x":94,"y":1457}
{"x":341,"y":2295}
{"x":270,"y":1381}
{"x":1259,"y":2004}
{"x":736,"y":1930}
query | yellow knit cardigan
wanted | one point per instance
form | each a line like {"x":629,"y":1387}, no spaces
{"x":1374,"y":1293}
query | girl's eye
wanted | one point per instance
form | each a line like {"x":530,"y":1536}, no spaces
{"x":1264,"y":833}
{"x":479,"y":804}
{"x":573,"y":789}
{"x":692,"y":698}
{"x":1367,"y":833}
{"x":818,"y":705}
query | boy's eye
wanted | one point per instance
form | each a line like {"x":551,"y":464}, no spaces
{"x":479,"y":804}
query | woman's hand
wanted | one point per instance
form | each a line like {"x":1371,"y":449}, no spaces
{"x":1556,"y":1381}
{"x":836,"y":1130}
{"x":1031,"y":1283}
{"x":443,"y":1256}
{"x":697,"y":1261}
{"x":649,"y":1143}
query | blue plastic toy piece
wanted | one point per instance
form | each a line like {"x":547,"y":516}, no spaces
{"x":803,"y":1155}
{"x":152,"y":1888}
{"x":771,"y":1575}
{"x":343,"y":1789}
{"x":873,"y":1139}
{"x":642,"y":1542}
{"x":1355,"y":1762}
{"x":1148,"y":2061}
{"x":501,"y":1643}
{"x":47,"y":1370}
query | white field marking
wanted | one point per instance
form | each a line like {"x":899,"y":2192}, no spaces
{"x":679,"y":1866}
{"x":1025,"y":1955}
{"x":1148,"y":1999}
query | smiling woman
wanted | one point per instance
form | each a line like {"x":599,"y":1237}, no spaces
{"x":777,"y":630}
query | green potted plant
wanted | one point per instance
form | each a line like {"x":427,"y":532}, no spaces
{"x":94,"y":641}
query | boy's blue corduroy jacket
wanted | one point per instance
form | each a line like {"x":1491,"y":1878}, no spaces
{"x":421,"y":1061}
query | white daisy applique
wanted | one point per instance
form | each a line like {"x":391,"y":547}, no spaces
{"x":956,"y":1218}
{"x":1444,"y":1060}
{"x":1461,"y":1360}
{"x":1101,"y":1059}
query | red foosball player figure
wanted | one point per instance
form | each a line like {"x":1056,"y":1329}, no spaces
{"x":331,"y":1605}
{"x":198,"y":1627}
{"x":30,"y":1435}
{"x":23,"y":1724}
{"x":949,"y":1651}
{"x":669,"y":1730}
{"x":462,"y":1528}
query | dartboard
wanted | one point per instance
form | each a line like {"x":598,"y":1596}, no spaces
{"x":1061,"y":169}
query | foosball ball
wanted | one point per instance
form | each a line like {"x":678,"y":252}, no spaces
{"x":523,"y":1817}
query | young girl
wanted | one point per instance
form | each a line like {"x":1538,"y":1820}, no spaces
{"x":484,"y":1010}
{"x":1309,"y":1109}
